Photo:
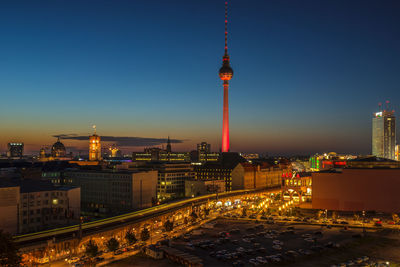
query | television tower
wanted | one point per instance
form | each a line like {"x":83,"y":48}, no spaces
{"x":225,"y":73}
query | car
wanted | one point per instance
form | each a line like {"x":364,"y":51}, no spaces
{"x":97,"y":259}
{"x":344,"y":222}
{"x":73,"y":260}
{"x":358,"y":260}
{"x":118,"y":252}
{"x":261,"y":260}
{"x":365,"y":258}
{"x":277,"y":247}
{"x":254,"y":262}
{"x":305,"y":251}
{"x":292,"y":254}
{"x":238,"y":263}
{"x":276,"y":259}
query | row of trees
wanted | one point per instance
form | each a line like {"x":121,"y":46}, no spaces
{"x":112,"y":244}
{"x":9,"y":255}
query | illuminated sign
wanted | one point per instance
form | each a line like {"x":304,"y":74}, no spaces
{"x":378,"y":114}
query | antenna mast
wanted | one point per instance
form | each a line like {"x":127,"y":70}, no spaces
{"x":226,"y":28}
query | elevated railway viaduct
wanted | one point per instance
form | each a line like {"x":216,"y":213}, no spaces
{"x":61,"y":242}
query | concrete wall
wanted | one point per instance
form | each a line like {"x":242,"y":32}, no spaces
{"x":74,"y":198}
{"x":144,"y":189}
{"x":357,"y":190}
{"x":238,"y":177}
{"x":9,"y":201}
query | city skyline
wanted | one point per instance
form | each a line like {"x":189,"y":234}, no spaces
{"x":307,"y":82}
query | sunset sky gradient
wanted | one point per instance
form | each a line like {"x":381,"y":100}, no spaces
{"x":308,"y":74}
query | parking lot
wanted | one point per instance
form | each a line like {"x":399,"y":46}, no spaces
{"x":236,"y":242}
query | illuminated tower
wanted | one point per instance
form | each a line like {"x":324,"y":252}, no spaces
{"x":384,"y":133}
{"x":225,"y":73}
{"x":94,"y":146}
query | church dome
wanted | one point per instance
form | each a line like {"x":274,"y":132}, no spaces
{"x":58,"y":149}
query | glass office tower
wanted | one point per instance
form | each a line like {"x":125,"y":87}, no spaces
{"x":384,"y":134}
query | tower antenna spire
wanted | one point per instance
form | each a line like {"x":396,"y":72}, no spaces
{"x":225,"y":73}
{"x":226,"y":28}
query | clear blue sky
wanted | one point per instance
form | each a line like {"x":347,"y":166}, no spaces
{"x":308,"y":74}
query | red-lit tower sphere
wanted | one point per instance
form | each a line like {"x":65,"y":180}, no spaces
{"x":225,"y":73}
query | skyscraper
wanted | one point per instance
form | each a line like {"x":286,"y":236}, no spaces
{"x":15,"y":150}
{"x":225,"y":73}
{"x":384,"y":134}
{"x":94,"y":147}
{"x":204,"y":147}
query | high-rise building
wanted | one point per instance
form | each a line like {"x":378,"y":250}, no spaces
{"x":15,"y":150}
{"x":225,"y":73}
{"x":94,"y":147}
{"x":204,"y":153}
{"x":204,"y":147}
{"x":169,"y":149}
{"x":384,"y":134}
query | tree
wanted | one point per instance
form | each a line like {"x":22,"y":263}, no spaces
{"x":91,"y":249}
{"x":207,"y":211}
{"x":396,"y":218}
{"x":8,"y":251}
{"x":244,"y":211}
{"x":112,"y":244}
{"x":319,"y":214}
{"x":130,"y":237}
{"x":169,"y":226}
{"x":145,"y":234}
{"x":194,"y":215}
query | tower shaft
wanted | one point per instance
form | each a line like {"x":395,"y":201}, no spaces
{"x":225,"y":122}
{"x":225,"y":73}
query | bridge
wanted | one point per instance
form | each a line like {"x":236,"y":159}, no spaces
{"x":61,"y":242}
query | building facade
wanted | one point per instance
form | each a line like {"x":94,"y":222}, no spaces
{"x":171,"y":180}
{"x":94,"y":148}
{"x":15,"y":150}
{"x":32,"y":205}
{"x":384,"y":134}
{"x":256,"y":176}
{"x":297,"y":186}
{"x":194,"y":188}
{"x":107,"y":192}
{"x":220,"y":170}
{"x":357,"y":190}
